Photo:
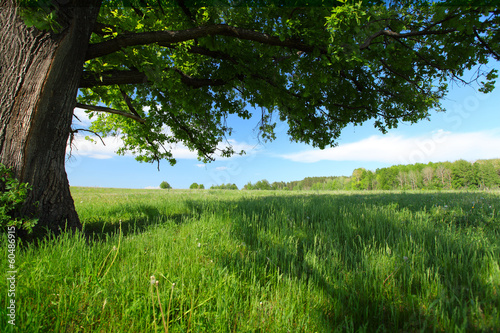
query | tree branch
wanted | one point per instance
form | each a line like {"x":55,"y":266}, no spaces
{"x":109,"y":110}
{"x":401,"y":75}
{"x":194,"y":138}
{"x":106,"y":78}
{"x":128,"y":101}
{"x":100,"y":27}
{"x":134,"y":76}
{"x":186,"y":11}
{"x":486,"y":46}
{"x":167,"y":36}
{"x":72,"y":133}
{"x":204,"y":51}
{"x":397,"y":35}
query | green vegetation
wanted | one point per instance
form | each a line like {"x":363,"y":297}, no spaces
{"x":196,"y":186}
{"x":194,"y":67}
{"x":165,"y":186}
{"x":241,"y":261}
{"x":459,"y":175}
{"x":224,"y":187}
{"x":12,"y":196}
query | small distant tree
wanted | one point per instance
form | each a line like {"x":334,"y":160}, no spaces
{"x":201,"y":187}
{"x":164,"y":185}
{"x":194,"y":186}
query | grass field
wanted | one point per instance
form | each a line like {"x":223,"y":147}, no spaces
{"x":258,"y":261}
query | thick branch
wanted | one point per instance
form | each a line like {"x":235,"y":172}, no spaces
{"x":109,"y":110}
{"x":106,"y":78}
{"x":90,"y":79}
{"x":204,"y":51}
{"x":144,"y":38}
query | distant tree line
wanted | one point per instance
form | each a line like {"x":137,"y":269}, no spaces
{"x":461,"y":174}
{"x":224,"y":187}
{"x":196,"y":186}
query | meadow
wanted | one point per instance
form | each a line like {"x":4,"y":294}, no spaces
{"x":264,"y":261}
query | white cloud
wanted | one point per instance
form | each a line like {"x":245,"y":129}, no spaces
{"x":200,"y":165}
{"x":221,"y":168}
{"x":179,"y":151}
{"x":100,"y":156}
{"x":239,"y":146}
{"x":83,"y":147}
{"x":83,"y":118}
{"x":397,"y":149}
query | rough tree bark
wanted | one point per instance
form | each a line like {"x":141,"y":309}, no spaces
{"x":39,"y":76}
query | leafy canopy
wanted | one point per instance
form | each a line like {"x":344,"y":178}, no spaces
{"x":164,"y":185}
{"x":169,"y":72}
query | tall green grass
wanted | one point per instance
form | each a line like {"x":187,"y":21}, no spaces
{"x":236,"y":261}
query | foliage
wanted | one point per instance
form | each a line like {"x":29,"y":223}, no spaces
{"x":195,"y":186}
{"x":178,"y":72}
{"x":41,"y":14}
{"x":224,"y":187}
{"x":459,"y":175}
{"x":12,"y":196}
{"x":164,"y":185}
{"x":255,"y":262}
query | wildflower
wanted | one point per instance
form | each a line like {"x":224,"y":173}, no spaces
{"x":405,"y":258}
{"x":153,"y":279}
{"x":199,"y":244}
{"x":114,"y":248}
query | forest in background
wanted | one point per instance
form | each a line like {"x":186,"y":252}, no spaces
{"x":458,"y":175}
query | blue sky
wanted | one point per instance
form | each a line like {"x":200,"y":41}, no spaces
{"x":470,"y":130}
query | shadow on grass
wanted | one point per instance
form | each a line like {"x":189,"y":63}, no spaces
{"x":279,"y":232}
{"x":136,"y":219}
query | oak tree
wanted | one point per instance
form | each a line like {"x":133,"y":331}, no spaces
{"x":156,"y":73}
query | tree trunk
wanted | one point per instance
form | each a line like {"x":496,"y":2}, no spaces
{"x":40,"y":72}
